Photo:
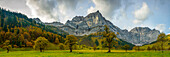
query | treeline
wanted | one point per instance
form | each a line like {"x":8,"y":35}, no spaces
{"x":25,"y":37}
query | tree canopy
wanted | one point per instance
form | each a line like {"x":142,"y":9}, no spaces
{"x":71,"y":40}
{"x":41,"y":43}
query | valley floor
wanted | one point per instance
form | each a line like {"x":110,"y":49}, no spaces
{"x":84,"y":53}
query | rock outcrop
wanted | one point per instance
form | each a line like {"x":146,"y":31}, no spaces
{"x":56,"y":24}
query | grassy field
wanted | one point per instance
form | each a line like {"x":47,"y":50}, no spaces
{"x":84,"y":53}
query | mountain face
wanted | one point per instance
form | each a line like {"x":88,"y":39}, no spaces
{"x":94,"y":22}
{"x":56,"y":24}
{"x":37,"y":20}
{"x":141,"y":35}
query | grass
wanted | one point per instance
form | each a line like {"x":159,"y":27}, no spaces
{"x":84,"y":53}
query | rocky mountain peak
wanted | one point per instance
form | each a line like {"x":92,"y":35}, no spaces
{"x":57,"y":24}
{"x":140,"y":29}
{"x":37,"y":20}
{"x":94,"y":22}
{"x":94,"y":14}
{"x":78,"y":18}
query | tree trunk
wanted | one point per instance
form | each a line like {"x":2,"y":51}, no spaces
{"x":40,"y":49}
{"x":109,"y":47}
{"x":162,"y":46}
{"x":126,"y":50}
{"x":70,"y":48}
{"x":138,"y":48}
{"x":7,"y":50}
{"x":109,"y":50}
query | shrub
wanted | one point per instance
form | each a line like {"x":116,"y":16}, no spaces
{"x":15,"y":46}
{"x":61,"y":46}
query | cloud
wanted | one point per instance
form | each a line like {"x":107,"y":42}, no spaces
{"x":106,"y":7}
{"x":52,"y":10}
{"x":142,"y":14}
{"x":160,"y":27}
{"x":127,"y":4}
{"x":16,"y":6}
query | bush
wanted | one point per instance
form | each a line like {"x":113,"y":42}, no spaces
{"x":29,"y":44}
{"x":15,"y":46}
{"x":61,"y":46}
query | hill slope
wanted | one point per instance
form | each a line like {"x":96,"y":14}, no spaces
{"x":21,"y":30}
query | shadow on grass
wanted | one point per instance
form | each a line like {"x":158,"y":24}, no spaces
{"x":117,"y":52}
{"x":75,"y":52}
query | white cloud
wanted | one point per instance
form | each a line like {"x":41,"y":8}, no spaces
{"x":142,"y":14}
{"x":16,"y":6}
{"x":160,"y":27}
{"x":106,"y":7}
{"x":53,"y":10}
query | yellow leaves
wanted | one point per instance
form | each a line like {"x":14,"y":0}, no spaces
{"x":117,"y":33}
{"x":161,"y":37}
{"x":41,"y":42}
{"x":117,"y":39}
{"x":27,"y":35}
{"x":6,"y":42}
{"x":71,"y":39}
{"x":168,"y":36}
{"x":21,"y":38}
{"x":0,"y":28}
{"x":110,"y":36}
{"x":56,"y":41}
{"x":106,"y":29}
{"x":29,"y":44}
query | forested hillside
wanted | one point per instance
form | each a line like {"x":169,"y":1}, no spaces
{"x":22,"y":31}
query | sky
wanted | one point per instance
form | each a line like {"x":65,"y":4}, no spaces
{"x":126,"y":14}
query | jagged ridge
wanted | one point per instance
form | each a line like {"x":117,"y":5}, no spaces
{"x":94,"y":22}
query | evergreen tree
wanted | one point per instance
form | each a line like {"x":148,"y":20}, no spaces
{"x":96,"y":42}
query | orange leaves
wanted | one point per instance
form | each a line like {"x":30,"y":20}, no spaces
{"x":71,"y":39}
{"x":29,"y":44}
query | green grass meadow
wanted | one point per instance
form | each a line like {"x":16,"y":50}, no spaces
{"x":85,"y":53}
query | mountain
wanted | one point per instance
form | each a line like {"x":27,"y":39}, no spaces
{"x":37,"y":20}
{"x":15,"y":25}
{"x":94,"y":22}
{"x":56,"y":24}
